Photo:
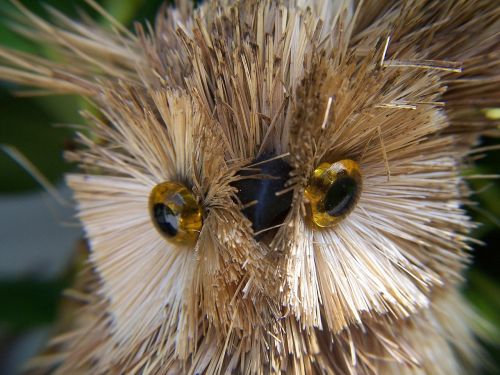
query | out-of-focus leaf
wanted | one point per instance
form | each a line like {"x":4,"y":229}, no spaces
{"x":28,"y":303}
{"x":492,"y":113}
{"x":123,"y":11}
{"x":27,"y":126}
{"x":484,"y":293}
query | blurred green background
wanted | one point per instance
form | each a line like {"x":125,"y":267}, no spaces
{"x":29,"y":301}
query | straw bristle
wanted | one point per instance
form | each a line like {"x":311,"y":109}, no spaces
{"x":396,"y":86}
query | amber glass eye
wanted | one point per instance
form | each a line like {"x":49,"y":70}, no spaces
{"x":333,"y":191}
{"x":175,"y":212}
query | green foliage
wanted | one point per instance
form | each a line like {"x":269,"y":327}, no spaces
{"x":37,"y":300}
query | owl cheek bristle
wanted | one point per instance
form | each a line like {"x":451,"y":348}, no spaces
{"x":333,"y":191}
{"x":175,"y":213}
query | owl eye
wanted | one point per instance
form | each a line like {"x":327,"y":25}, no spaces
{"x":175,"y":212}
{"x":333,"y":191}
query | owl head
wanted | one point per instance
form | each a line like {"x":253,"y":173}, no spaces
{"x":273,"y":186}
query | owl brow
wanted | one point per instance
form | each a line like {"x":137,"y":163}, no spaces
{"x":384,"y":152}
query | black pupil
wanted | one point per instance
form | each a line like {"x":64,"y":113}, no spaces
{"x":341,"y":196}
{"x":167,"y":221}
{"x":271,"y":209}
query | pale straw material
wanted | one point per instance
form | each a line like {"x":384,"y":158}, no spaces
{"x":396,"y":86}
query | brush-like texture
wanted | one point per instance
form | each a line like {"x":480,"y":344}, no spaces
{"x":397,"y":86}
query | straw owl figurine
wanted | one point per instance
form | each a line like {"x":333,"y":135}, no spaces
{"x":272,"y":186}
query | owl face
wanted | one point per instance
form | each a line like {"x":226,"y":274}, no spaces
{"x":273,"y":186}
